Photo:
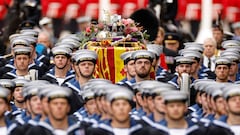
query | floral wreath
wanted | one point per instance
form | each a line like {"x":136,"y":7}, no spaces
{"x":112,"y":33}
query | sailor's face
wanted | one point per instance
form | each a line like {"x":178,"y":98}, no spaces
{"x":61,"y":61}
{"x":99,"y":104}
{"x":130,"y":68}
{"x":21,"y":62}
{"x":150,"y":103}
{"x":44,"y":103}
{"x":233,"y":105}
{"x":233,"y":69}
{"x":17,"y":94}
{"x":120,"y":109}
{"x":195,"y":67}
{"x":104,"y":104}
{"x":91,"y":106}
{"x":138,"y":98}
{"x":86,"y":68}
{"x":183,"y":68}
{"x":175,"y":110}
{"x":159,"y":104}
{"x":58,"y":108}
{"x":143,"y":67}
{"x":222,"y":72}
{"x":3,"y":107}
{"x":220,"y":106}
{"x":204,"y":100}
{"x":35,"y":105}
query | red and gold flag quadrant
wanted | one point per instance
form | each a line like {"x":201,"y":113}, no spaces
{"x":109,"y":64}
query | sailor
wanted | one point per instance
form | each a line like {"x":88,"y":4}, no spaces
{"x":97,"y":86}
{"x":195,"y":51}
{"x":175,"y":109}
{"x":61,"y":72}
{"x":138,"y":102}
{"x":31,"y":36}
{"x":159,"y":73}
{"x":10,"y":63}
{"x":183,"y":65}
{"x":233,"y":46}
{"x":4,"y":107}
{"x":101,"y":91}
{"x":13,"y":111}
{"x":146,"y":87}
{"x":32,"y":114}
{"x":197,"y":72}
{"x":143,"y":62}
{"x":33,"y":104}
{"x":10,"y":85}
{"x":234,"y":57}
{"x":58,"y":121}
{"x":196,"y":56}
{"x":222,"y":69}
{"x":196,"y":109}
{"x":158,"y":112}
{"x":128,"y":66}
{"x":216,"y":101}
{"x":84,"y":66}
{"x":42,"y":94}
{"x":17,"y":103}
{"x":22,"y":58}
{"x":19,"y":40}
{"x":90,"y":106}
{"x":228,"y":124}
{"x":121,"y":123}
{"x":206,"y":108}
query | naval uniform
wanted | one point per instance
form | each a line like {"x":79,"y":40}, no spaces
{"x":174,"y":81}
{"x":76,"y":99}
{"x":219,"y":127}
{"x":37,"y":65}
{"x":107,"y":129}
{"x":45,"y":128}
{"x":194,"y":128}
{"x":12,"y":75}
{"x":50,"y":77}
{"x":205,"y":72}
{"x":163,"y":75}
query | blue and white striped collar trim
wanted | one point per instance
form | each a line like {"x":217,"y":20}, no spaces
{"x":173,"y":83}
{"x":191,"y":129}
{"x":10,"y":66}
{"x":73,"y":87}
{"x":221,"y":124}
{"x":12,"y":74}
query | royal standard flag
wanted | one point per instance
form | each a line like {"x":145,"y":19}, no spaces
{"x":109,"y":64}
